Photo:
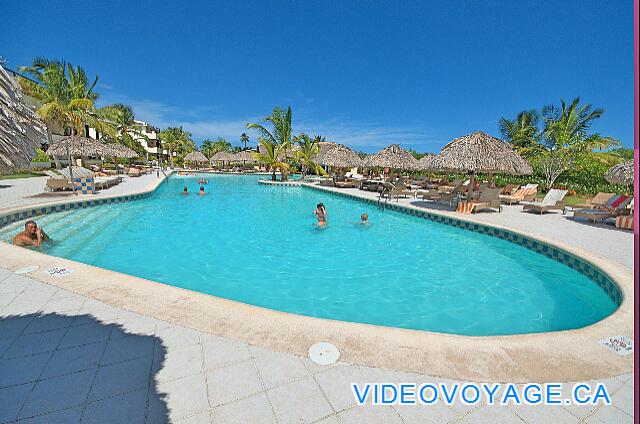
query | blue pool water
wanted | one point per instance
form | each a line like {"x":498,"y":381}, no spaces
{"x":257,"y":244}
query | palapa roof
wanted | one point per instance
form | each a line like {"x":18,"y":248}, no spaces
{"x":622,"y":173}
{"x":394,"y":157}
{"x":427,"y":162}
{"x":195,"y":156}
{"x":340,"y":156}
{"x":244,"y":156}
{"x":222,"y":157}
{"x":21,"y":131}
{"x":120,"y":151}
{"x":480,"y":152}
{"x":80,"y":146}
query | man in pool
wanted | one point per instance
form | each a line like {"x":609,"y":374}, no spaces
{"x":201,"y":191}
{"x":185,"y":190}
{"x":31,"y":236}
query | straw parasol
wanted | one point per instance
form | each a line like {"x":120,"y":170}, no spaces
{"x":222,"y":157}
{"x":340,"y":156}
{"x":119,"y":151}
{"x":427,"y":163}
{"x":21,"y":132}
{"x":622,"y":173}
{"x":244,"y":156}
{"x":78,"y":146}
{"x":195,"y":157}
{"x":394,"y":157}
{"x":479,"y":152}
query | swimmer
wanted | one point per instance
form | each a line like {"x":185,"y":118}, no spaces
{"x":321,"y":214}
{"x":201,"y":191}
{"x":364,"y":218}
{"x":185,"y":190}
{"x":203,"y":181}
{"x":31,"y":236}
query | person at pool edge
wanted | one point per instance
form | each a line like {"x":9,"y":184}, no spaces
{"x":31,"y":236}
{"x":321,"y":214}
{"x":185,"y":190}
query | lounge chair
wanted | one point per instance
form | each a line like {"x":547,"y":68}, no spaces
{"x":395,"y":190}
{"x":598,"y":201}
{"x":433,"y":195}
{"x":134,"y":172}
{"x":509,"y":189}
{"x":347,"y":184}
{"x":523,"y":194}
{"x":58,"y":184}
{"x":614,"y":207}
{"x":489,"y":199}
{"x":552,"y":201}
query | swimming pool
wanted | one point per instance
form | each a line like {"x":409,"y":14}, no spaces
{"x":257,"y":244}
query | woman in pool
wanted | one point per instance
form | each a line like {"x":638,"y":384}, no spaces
{"x":321,"y":214}
{"x":203,"y":181}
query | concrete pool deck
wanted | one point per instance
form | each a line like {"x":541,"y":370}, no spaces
{"x":305,"y":394}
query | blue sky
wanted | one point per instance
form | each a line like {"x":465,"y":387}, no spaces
{"x":363,"y":73}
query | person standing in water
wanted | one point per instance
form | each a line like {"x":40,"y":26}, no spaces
{"x":185,"y":190}
{"x":321,"y":214}
{"x":201,"y":192}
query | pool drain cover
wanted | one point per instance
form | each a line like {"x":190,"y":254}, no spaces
{"x":324,"y":353}
{"x":26,"y":269}
{"x":622,"y":345}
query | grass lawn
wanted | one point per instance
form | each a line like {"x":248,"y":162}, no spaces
{"x":24,"y":174}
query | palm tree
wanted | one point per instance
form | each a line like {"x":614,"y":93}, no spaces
{"x":210,"y":148}
{"x":129,"y":132}
{"x":272,"y":155}
{"x":307,"y":154}
{"x":565,"y":136}
{"x":177,"y":140}
{"x":522,"y":132}
{"x":244,"y":139}
{"x":66,"y":97}
{"x":279,"y":136}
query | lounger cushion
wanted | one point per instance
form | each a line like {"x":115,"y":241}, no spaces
{"x":625,"y":222}
{"x":619,"y":201}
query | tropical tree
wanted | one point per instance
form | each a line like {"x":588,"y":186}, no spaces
{"x":67,"y":99}
{"x":566,"y":137}
{"x":244,"y":139}
{"x":307,"y":153}
{"x":210,"y":147}
{"x":128,"y":131}
{"x":523,"y":132}
{"x":273,"y":155}
{"x":177,"y":140}
{"x":279,"y":139}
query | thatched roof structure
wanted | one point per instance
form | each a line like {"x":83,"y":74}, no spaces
{"x":120,"y":151}
{"x":222,"y":157}
{"x":21,"y":131}
{"x":622,"y":173}
{"x":394,"y":157}
{"x":340,"y":156}
{"x":479,"y":152}
{"x":427,"y":162}
{"x":79,"y":146}
{"x":324,"y":147}
{"x":196,"y":157}
{"x":244,"y":156}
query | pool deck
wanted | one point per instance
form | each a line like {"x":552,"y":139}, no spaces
{"x":95,"y":344}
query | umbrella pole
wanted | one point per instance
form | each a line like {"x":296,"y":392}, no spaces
{"x":73,"y":186}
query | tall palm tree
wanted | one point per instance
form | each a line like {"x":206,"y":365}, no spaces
{"x":273,"y":155}
{"x":177,"y":140}
{"x":129,"y":132}
{"x":523,"y":131}
{"x":307,"y":154}
{"x":66,"y":96}
{"x":280,"y":136}
{"x":244,"y":139}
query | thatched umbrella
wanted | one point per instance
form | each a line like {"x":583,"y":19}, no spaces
{"x":427,"y":163}
{"x":21,"y":132}
{"x":195,"y":157}
{"x":120,"y":151}
{"x":394,"y":157}
{"x":75,"y":145}
{"x":479,"y":152}
{"x":622,"y":173}
{"x":244,"y":156}
{"x":340,"y":156}
{"x":221,"y":157}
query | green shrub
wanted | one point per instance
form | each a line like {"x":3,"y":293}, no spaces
{"x":41,"y":156}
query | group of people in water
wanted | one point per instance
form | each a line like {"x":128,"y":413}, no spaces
{"x":201,"y":191}
{"x":321,"y":216}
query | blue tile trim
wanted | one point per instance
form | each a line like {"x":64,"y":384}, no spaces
{"x":552,"y":252}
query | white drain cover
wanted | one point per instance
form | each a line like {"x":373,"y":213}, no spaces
{"x":324,"y":353}
{"x":622,"y":345}
{"x":27,"y":269}
{"x":59,"y":271}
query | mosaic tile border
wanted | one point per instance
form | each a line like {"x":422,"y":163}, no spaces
{"x":582,"y":266}
{"x":11,"y":217}
{"x":281,"y":183}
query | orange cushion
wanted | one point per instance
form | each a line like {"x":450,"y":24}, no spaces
{"x":625,"y":222}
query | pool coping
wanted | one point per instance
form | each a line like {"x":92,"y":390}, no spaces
{"x":570,"y":355}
